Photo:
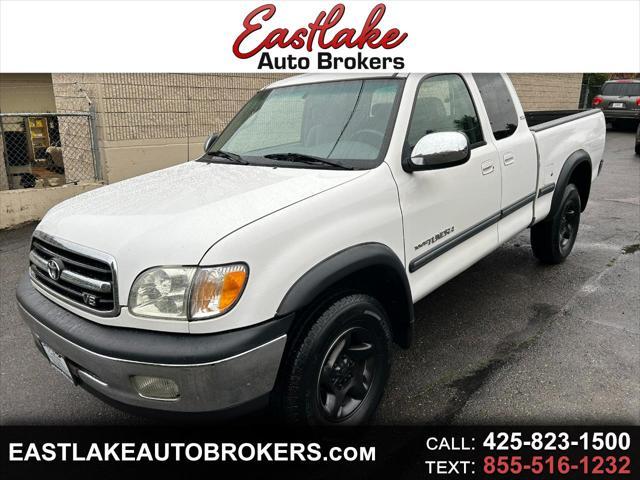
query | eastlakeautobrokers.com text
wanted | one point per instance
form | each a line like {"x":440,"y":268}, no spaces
{"x":189,"y":451}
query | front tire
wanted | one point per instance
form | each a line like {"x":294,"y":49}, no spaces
{"x":552,"y":239}
{"x":336,"y":372}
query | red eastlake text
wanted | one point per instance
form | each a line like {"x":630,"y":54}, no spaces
{"x":317,"y":33}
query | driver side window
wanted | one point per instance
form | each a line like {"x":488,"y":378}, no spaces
{"x":443,"y":104}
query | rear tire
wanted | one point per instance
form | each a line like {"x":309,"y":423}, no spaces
{"x":552,"y":239}
{"x":336,"y":372}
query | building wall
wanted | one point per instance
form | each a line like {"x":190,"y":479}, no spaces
{"x":30,"y":204}
{"x":26,"y":92}
{"x":151,"y":121}
{"x":548,"y":91}
{"x":34,"y":93}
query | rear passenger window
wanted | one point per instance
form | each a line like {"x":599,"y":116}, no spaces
{"x":499,"y":104}
{"x":443,"y":104}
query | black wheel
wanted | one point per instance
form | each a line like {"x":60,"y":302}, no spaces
{"x":637,"y":148}
{"x":337,"y":370}
{"x":552,"y":240}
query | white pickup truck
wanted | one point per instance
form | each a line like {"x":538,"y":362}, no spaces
{"x":280,"y":266}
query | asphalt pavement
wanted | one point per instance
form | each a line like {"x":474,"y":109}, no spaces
{"x":509,"y":341}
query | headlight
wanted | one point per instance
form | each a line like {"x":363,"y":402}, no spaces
{"x":183,"y":293}
{"x":162,"y":292}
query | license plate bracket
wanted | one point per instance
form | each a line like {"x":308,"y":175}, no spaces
{"x":58,"y":362}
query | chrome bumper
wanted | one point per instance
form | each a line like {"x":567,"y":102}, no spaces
{"x":203,"y":387}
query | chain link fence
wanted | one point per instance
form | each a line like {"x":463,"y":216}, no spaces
{"x":43,"y":150}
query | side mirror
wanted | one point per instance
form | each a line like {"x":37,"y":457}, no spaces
{"x":210,"y":141}
{"x":439,"y":150}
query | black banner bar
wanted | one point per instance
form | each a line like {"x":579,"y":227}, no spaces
{"x":367,"y":452}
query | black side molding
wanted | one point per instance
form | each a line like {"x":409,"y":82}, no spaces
{"x":465,"y":235}
{"x":514,"y":207}
{"x":550,"y":187}
{"x":434,"y":253}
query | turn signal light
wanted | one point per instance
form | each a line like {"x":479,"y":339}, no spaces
{"x":217,"y":289}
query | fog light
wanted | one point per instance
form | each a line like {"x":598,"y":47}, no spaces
{"x":155,"y":388}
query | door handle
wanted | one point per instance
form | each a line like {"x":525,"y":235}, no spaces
{"x":488,"y":167}
{"x":509,"y":158}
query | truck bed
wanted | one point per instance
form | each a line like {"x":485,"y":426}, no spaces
{"x":559,"y":135}
{"x":543,"y":119}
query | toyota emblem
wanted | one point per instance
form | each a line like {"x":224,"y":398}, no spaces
{"x":54,"y":268}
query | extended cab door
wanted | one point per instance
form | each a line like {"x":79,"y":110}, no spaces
{"x":449,"y":214}
{"x":516,"y":151}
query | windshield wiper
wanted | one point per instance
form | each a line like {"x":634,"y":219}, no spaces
{"x":229,"y":156}
{"x":303,"y":158}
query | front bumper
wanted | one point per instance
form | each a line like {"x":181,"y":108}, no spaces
{"x":215,"y":372}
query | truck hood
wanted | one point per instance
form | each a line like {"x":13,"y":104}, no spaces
{"x":173,"y":216}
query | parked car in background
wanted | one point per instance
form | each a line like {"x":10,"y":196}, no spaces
{"x":619,"y":100}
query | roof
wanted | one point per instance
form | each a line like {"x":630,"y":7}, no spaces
{"x":329,"y":77}
{"x":623,"y":80}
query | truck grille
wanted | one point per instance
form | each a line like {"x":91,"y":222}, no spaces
{"x":84,"y":280}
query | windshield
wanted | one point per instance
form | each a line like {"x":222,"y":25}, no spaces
{"x":620,"y":89}
{"x":345,"y":122}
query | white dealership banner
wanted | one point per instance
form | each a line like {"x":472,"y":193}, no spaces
{"x":314,"y":36}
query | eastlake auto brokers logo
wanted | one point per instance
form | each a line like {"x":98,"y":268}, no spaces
{"x":322,"y":36}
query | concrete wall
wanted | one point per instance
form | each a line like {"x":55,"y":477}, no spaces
{"x":35,"y":93}
{"x":26,"y":92}
{"x":548,"y":91}
{"x":150,"y":121}
{"x":30,"y":204}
